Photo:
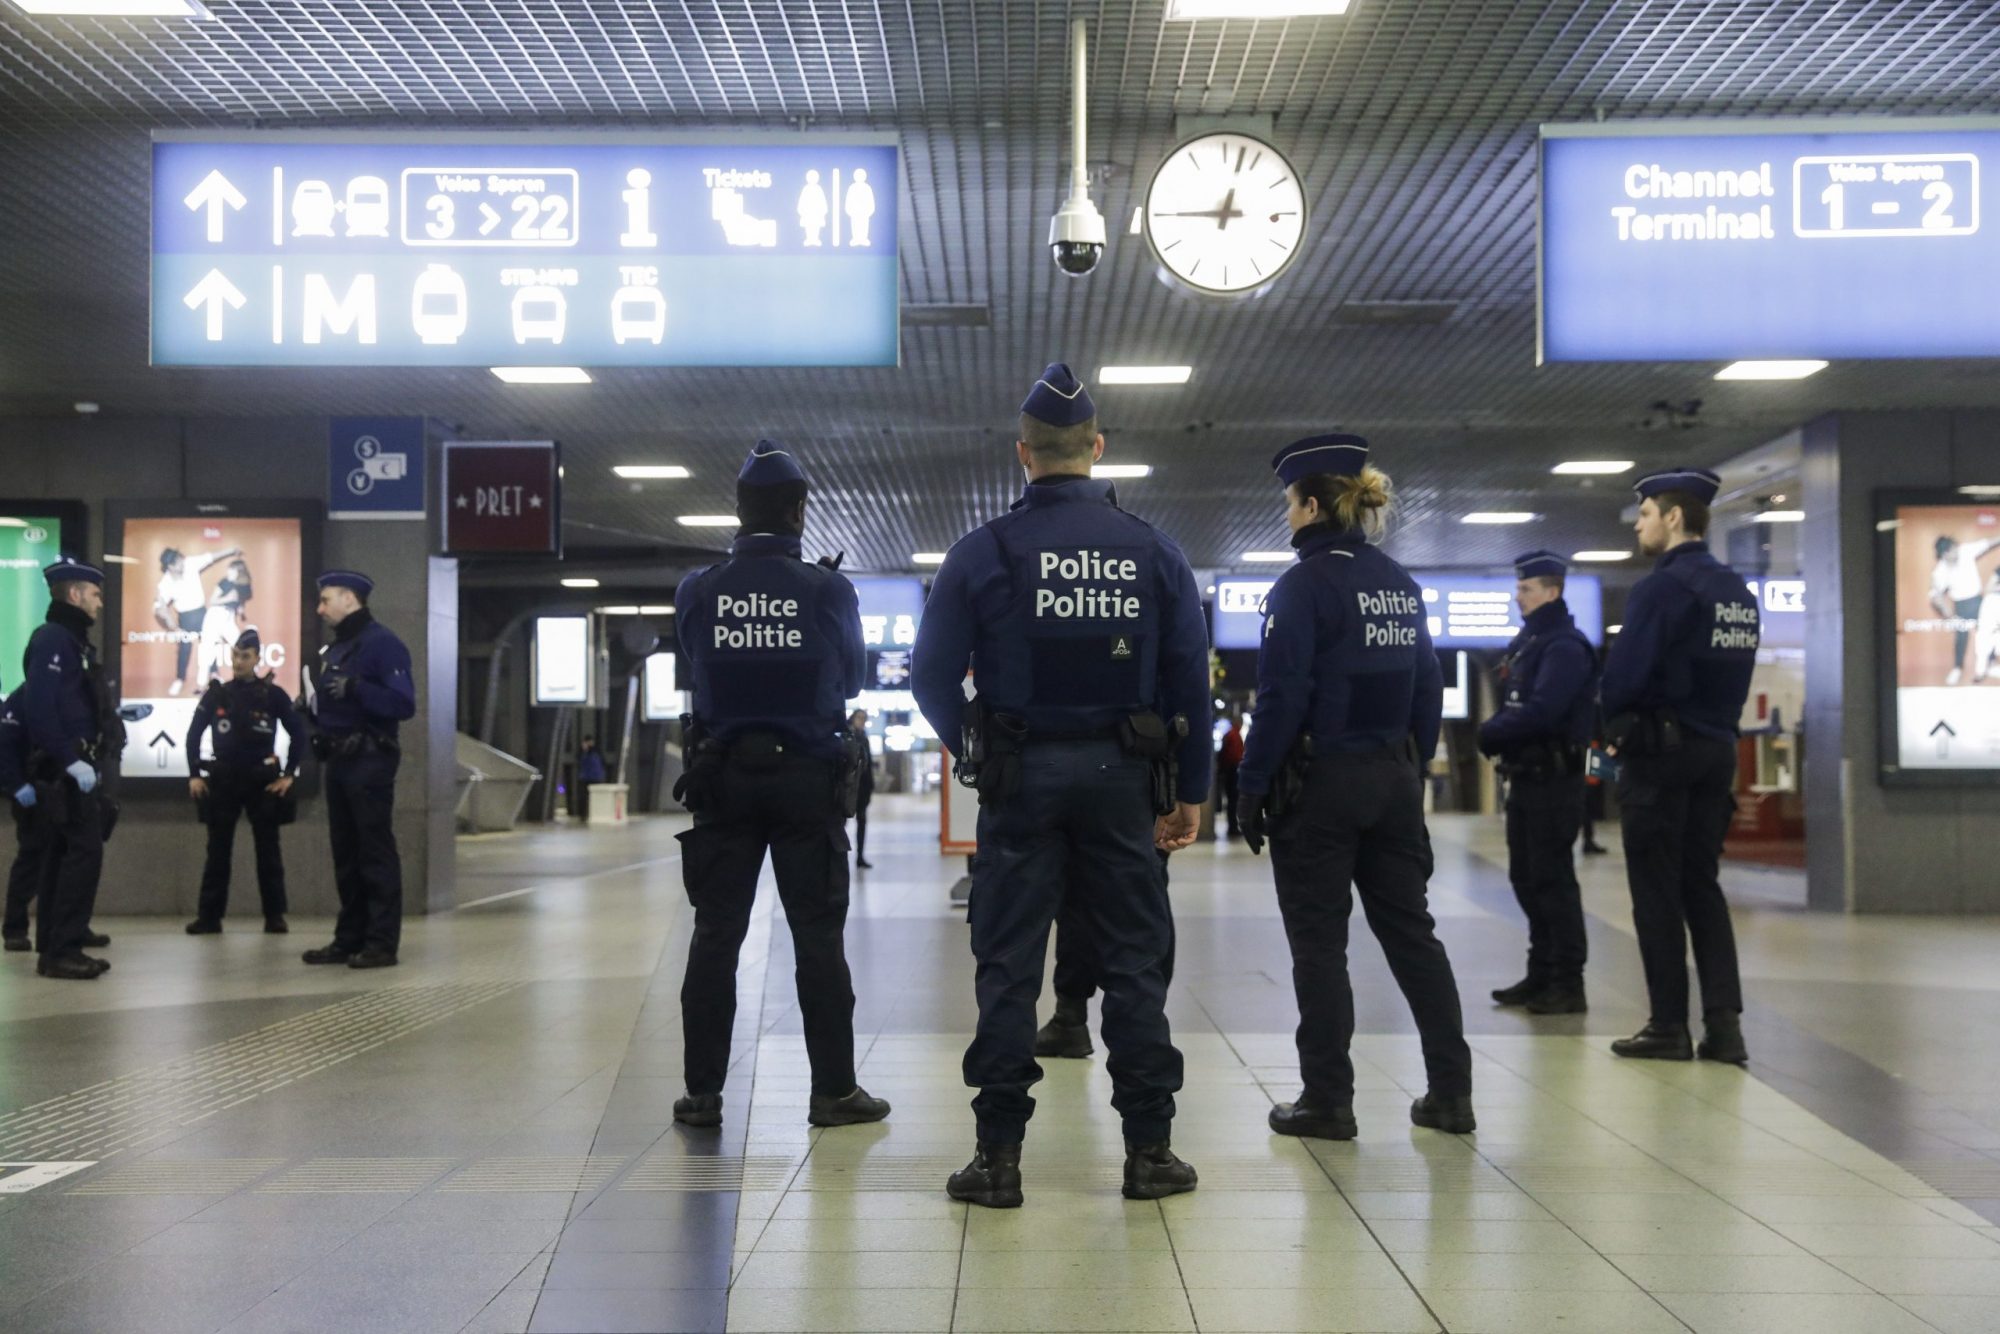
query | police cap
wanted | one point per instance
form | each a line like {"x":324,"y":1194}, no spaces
{"x":1058,"y":398}
{"x":770,"y":464}
{"x":352,"y":580}
{"x":1338,"y":454}
{"x":249,"y":641}
{"x":1540,"y":565}
{"x":67,"y":571}
{"x":1697,"y":482}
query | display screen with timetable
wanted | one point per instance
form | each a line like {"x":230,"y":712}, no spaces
{"x":1722,"y":240}
{"x":524,"y":249}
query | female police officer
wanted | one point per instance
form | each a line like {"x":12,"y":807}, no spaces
{"x":1348,"y":701}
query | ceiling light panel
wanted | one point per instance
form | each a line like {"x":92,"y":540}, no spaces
{"x":651,"y":471}
{"x":1592,"y":468}
{"x":1770,"y":370}
{"x":1144,"y":374}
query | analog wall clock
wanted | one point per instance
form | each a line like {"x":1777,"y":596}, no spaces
{"x":1225,"y":213}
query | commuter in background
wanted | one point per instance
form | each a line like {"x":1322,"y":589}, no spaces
{"x":1229,"y":759}
{"x":1349,"y":702}
{"x":863,"y":761}
{"x":589,"y":769}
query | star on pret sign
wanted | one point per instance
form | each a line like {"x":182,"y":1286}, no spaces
{"x":502,"y":496}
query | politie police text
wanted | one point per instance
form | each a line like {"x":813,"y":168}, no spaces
{"x":1377,"y":633}
{"x":767,"y":622}
{"x":1078,"y":602}
{"x":1735,"y":627}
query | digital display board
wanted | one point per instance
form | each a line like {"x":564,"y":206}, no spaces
{"x":186,"y":588}
{"x":663,"y":698}
{"x":890,"y":611}
{"x":1938,"y":600}
{"x":562,"y":660}
{"x":1699,"y":241}
{"x":1464,"y":610}
{"x":1781,"y":612}
{"x":33,"y":534}
{"x":591,"y":249}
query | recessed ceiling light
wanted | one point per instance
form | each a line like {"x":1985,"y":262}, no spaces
{"x":122,"y":9}
{"x":110,"y":559}
{"x":579,"y":583}
{"x":1779,"y":516}
{"x":1266,"y":557}
{"x":1144,"y":374}
{"x":1613,"y":629}
{"x":86,"y":409}
{"x":1498,"y":516}
{"x":1121,"y":470}
{"x":927,"y":558}
{"x":1187,"y":11}
{"x":543,"y":374}
{"x":1979,"y":490}
{"x":1592,"y":467}
{"x":656,"y":611}
{"x":708,"y":521}
{"x":1601,"y":555}
{"x":651,"y":471}
{"x":1770,"y":370}
{"x":617,"y":611}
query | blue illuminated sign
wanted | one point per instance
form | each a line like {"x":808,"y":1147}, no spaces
{"x":495,"y":250}
{"x":1463,"y":610}
{"x":1712,"y":241}
{"x":375,"y":468}
{"x":890,"y":611}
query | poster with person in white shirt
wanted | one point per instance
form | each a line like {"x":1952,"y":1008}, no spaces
{"x":180,"y":604}
{"x":1947,"y":636}
{"x":1958,"y":587}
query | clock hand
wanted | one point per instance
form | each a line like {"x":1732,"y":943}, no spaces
{"x":1226,"y":212}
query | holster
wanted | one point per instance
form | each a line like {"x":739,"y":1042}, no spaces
{"x":995,"y":739}
{"x":1288,"y":785}
{"x":107,"y":816}
{"x":1149,"y":737}
{"x":699,"y":787}
{"x":282,"y":810}
{"x":847,"y":777}
{"x":1653,"y":733}
{"x":1544,"y":760}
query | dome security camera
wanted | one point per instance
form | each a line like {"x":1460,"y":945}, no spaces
{"x":1076,"y":237}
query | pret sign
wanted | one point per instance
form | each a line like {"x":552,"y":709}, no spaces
{"x":502,"y":497}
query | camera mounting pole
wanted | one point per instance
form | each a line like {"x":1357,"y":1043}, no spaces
{"x":1079,"y":171}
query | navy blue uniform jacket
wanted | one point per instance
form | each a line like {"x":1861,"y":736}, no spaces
{"x":774,"y":643}
{"x":246,"y":716}
{"x":57,"y":700}
{"x":1689,"y":644}
{"x":383,"y":695}
{"x":1551,"y":671}
{"x":1072,"y":615}
{"x":1346,"y":658}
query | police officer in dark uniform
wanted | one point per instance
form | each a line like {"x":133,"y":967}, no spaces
{"x":24,"y":873}
{"x":1542,"y":736}
{"x":73,"y":737}
{"x":244,"y":779}
{"x":775,"y":646}
{"x":1673,"y":696}
{"x":360,"y":692}
{"x":1349,"y":698}
{"x":1084,"y":631}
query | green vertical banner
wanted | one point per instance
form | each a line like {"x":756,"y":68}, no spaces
{"x":27,"y":543}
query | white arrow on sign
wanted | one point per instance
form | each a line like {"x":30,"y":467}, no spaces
{"x":214,"y":290}
{"x":212,"y":194}
{"x":492,"y":219}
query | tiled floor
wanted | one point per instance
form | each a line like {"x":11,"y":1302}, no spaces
{"x":482,"y":1140}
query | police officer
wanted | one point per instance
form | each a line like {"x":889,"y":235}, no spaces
{"x":361,"y":691}
{"x":1084,"y":631}
{"x":775,"y":646}
{"x":1541,"y":735}
{"x":1349,"y":697}
{"x":24,"y":874}
{"x":1673,"y":695}
{"x":72,"y":739}
{"x":244,"y":779}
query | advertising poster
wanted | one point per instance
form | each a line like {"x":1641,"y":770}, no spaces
{"x":1946,"y":590}
{"x":187,"y":589}
{"x":27,"y":543}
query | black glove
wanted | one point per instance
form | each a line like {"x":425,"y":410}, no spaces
{"x":1250,"y":820}
{"x":832,"y":562}
{"x":337,"y":685}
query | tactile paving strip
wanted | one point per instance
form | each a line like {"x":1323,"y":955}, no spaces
{"x":196,"y":1176}
{"x":358,"y":1176}
{"x":565,"y":1175}
{"x":98,"y":1121}
{"x":673,"y":1173}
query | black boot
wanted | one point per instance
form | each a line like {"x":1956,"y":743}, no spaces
{"x":96,"y":940}
{"x":71,"y":968}
{"x":1724,"y":1039}
{"x":18,"y":944}
{"x":327,"y":954}
{"x":1153,"y":1172}
{"x":1067,"y":1033}
{"x":274,"y":925}
{"x":852,"y":1109}
{"x":991,"y":1180}
{"x":1453,"y":1115}
{"x":1656,"y":1042}
{"x":699,"y":1109}
{"x":1529,"y":987}
{"x":204,"y":926}
{"x":1594,"y":849}
{"x":1560,"y":998}
{"x":370,"y":957}
{"x":1312,"y":1117}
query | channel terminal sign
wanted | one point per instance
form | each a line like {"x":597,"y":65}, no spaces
{"x":1719,"y":240}
{"x":526,"y":250}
